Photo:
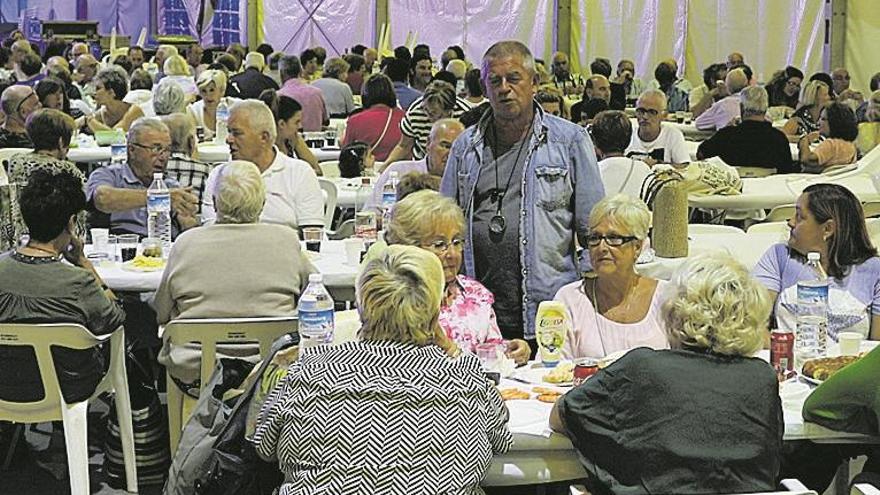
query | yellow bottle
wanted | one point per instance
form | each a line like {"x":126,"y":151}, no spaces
{"x":551,"y":327}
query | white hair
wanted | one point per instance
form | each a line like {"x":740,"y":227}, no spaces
{"x":656,"y":93}
{"x":753,"y":101}
{"x":146,"y":124}
{"x":623,"y":211}
{"x":168,"y":98}
{"x":181,"y":128}
{"x":241,"y":193}
{"x":259,"y":116}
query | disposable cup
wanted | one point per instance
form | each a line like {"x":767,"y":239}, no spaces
{"x":850,"y":342}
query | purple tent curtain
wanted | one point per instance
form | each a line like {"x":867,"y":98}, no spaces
{"x":192,"y":11}
{"x":128,"y":16}
{"x":294,"y":25}
{"x":45,"y":9}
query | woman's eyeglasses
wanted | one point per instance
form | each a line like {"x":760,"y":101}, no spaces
{"x":593,"y":240}
{"x":442,"y":245}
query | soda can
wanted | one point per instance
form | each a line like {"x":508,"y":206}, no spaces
{"x":782,"y":351}
{"x":583,"y":369}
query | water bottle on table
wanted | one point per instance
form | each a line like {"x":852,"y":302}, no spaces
{"x":316,"y":317}
{"x":389,"y":197}
{"x":159,"y":212}
{"x":222,"y":121}
{"x":812,"y":312}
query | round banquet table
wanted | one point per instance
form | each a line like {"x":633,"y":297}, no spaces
{"x":208,"y":152}
{"x":339,"y":277}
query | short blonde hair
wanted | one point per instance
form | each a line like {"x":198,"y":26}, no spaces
{"x":218,"y":77}
{"x":176,"y":65}
{"x":623,"y":211}
{"x":335,"y":67}
{"x":811,"y":91}
{"x":414,"y":216}
{"x":241,"y":193}
{"x":398,"y":295}
{"x":713,"y":303}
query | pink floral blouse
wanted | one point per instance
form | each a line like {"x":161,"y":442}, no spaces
{"x":467,"y":316}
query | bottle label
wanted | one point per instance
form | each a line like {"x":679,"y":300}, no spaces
{"x":551,"y":330}
{"x":812,"y":294}
{"x":158,"y":202}
{"x":316,"y":322}
{"x":388,"y":198}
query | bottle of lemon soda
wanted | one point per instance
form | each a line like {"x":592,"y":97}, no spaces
{"x":551,"y":327}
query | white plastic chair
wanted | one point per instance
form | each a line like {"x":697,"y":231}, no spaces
{"x":208,"y":333}
{"x":780,"y":213}
{"x":42,"y":337}
{"x":865,"y":489}
{"x":753,"y":172}
{"x":792,"y":487}
{"x":769,"y":228}
{"x":328,"y":187}
{"x":330,"y":169}
{"x":705,"y":228}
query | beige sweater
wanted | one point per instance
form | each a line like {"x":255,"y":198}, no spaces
{"x":225,"y":271}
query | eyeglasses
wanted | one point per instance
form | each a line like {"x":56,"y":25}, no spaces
{"x":156,"y":149}
{"x":440,"y":246}
{"x":793,"y":84}
{"x":650,"y":112}
{"x":21,"y":103}
{"x":612,"y":240}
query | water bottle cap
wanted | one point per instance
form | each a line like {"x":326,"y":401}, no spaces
{"x":316,"y":278}
{"x":813,"y":256}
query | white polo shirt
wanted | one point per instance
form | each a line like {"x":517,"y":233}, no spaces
{"x":668,"y":147}
{"x":293,"y":196}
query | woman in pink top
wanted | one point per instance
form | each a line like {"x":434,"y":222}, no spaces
{"x":436,"y":223}
{"x":379,"y":123}
{"x":614,"y":308}
{"x":837,"y":124}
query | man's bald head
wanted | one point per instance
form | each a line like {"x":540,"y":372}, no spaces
{"x":736,"y":80}
{"x":12,"y":102}
{"x":443,"y":133}
{"x":598,"y":87}
{"x":734,"y":59}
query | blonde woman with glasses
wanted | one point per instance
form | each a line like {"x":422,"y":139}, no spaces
{"x":614,"y":308}
{"x":435,"y":223}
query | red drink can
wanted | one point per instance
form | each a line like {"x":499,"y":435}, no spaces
{"x":782,"y":351}
{"x":583,"y":369}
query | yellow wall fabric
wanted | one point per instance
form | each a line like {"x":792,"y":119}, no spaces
{"x":861,"y":56}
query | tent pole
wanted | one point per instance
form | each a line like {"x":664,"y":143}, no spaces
{"x":563,"y":28}
{"x":382,"y":19}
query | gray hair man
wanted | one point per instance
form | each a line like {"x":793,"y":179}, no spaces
{"x":183,"y":164}
{"x":754,"y":142}
{"x":655,"y":141}
{"x":337,"y":93}
{"x":120,"y":189}
{"x":86,"y":70}
{"x":444,"y":132}
{"x":527,"y":183}
{"x":293,"y":196}
{"x":18,"y":103}
{"x":725,"y":111}
{"x":251,"y":81}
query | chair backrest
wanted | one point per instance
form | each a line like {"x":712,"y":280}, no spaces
{"x":780,"y":213}
{"x":344,"y":231}
{"x":330,"y":199}
{"x":752,"y":172}
{"x":42,"y":337}
{"x":330,"y":169}
{"x":704,"y":228}
{"x":872,"y":208}
{"x":7,"y":153}
{"x":210,"y":332}
{"x":769,"y":228}
{"x":865,"y":489}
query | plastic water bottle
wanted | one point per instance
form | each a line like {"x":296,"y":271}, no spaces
{"x":222,"y":121}
{"x":812,"y":311}
{"x":316,"y":318}
{"x":389,"y":197}
{"x":118,"y":149}
{"x":159,"y":212}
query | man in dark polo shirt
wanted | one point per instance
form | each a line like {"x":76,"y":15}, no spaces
{"x":754,"y":142}
{"x":252,"y":81}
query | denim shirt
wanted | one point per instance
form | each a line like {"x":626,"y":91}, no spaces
{"x":560,"y":185}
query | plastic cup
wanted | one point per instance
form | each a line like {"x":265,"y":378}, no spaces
{"x":850,"y":343}
{"x":488,"y":354}
{"x":354,"y":246}
{"x":112,"y":247}
{"x":312,"y":237}
{"x":128,"y":244}
{"x":100,"y":239}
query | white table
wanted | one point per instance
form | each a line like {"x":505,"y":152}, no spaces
{"x":746,"y":248}
{"x":539,"y":459}
{"x":339,"y":277}
{"x":350,"y":194}
{"x":208,"y":152}
{"x":692,"y":146}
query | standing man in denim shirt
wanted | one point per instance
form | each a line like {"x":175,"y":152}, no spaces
{"x":526,"y":182}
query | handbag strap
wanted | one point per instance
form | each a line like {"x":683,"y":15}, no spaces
{"x":382,"y":136}
{"x":632,"y":165}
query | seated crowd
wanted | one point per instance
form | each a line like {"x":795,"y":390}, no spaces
{"x":509,"y":193}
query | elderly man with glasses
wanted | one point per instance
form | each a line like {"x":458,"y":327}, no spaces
{"x":655,"y":141}
{"x":18,"y":103}
{"x":120,"y":189}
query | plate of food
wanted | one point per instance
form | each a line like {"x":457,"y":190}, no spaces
{"x":817,"y":370}
{"x":560,"y":376}
{"x":142,"y":263}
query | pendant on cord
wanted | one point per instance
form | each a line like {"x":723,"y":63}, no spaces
{"x":497,"y":224}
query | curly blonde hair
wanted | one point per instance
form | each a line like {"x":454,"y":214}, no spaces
{"x":713,"y":303}
{"x":624,"y":212}
{"x":398,"y":295}
{"x":415,"y":217}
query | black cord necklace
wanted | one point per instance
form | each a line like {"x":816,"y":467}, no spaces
{"x":497,"y":224}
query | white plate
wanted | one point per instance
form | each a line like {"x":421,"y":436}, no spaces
{"x":535,"y":376}
{"x":129,"y":267}
{"x":811,"y":380}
